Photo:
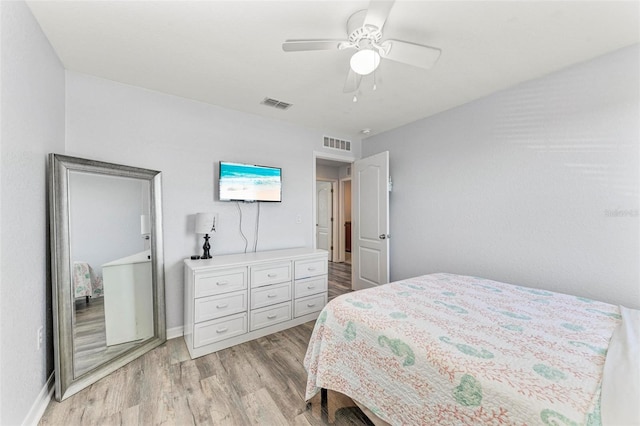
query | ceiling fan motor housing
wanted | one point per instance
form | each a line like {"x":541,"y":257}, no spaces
{"x":361,"y":35}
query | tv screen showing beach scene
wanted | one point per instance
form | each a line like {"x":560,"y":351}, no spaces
{"x":245,"y":182}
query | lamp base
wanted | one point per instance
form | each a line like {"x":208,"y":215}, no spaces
{"x":205,"y":248}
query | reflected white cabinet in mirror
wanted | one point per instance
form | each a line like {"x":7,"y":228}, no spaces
{"x":107,"y":268}
{"x":128,"y":307}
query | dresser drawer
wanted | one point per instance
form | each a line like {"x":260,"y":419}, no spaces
{"x":265,"y":317}
{"x":310,"y":268}
{"x":270,"y":295}
{"x":309,"y":305}
{"x":213,"y":331}
{"x":309,"y":286}
{"x":270,"y":274}
{"x":208,"y":284}
{"x":208,"y":308}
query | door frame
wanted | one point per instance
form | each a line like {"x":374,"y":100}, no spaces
{"x":333,"y":256}
{"x":347,"y":160}
{"x":342,"y":256}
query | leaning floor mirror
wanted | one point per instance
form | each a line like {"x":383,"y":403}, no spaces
{"x":107,"y":268}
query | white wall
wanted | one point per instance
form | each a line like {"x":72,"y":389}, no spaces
{"x":185,"y":140}
{"x":32,"y":119}
{"x":324,"y":172}
{"x":536,"y":185}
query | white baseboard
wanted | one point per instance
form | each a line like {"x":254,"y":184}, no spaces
{"x":174,"y":332}
{"x":40,"y":404}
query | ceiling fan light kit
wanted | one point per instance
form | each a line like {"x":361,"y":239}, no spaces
{"x":364,"y":31}
{"x":365,"y":61}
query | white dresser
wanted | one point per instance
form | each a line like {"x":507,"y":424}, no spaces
{"x":236,"y":298}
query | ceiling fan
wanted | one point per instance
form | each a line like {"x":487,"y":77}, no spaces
{"x":364,"y":31}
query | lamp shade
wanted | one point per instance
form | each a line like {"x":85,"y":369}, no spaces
{"x":365,"y":61}
{"x":205,"y":223}
{"x":145,"y":224}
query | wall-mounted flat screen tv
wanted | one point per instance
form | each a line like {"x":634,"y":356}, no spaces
{"x":245,"y":182}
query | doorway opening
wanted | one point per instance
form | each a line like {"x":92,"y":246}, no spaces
{"x":332,"y":201}
{"x":332,"y":214}
{"x":369,"y":184}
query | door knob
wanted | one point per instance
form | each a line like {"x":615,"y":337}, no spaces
{"x":384,"y":236}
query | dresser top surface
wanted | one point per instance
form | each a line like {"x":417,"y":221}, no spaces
{"x":256,"y":257}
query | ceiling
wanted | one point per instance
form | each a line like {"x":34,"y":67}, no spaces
{"x":229,"y":53}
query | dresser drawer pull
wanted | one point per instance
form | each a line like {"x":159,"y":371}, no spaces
{"x":271,"y":295}
{"x":222,"y":330}
{"x":310,"y":305}
{"x":310,"y":286}
{"x":222,"y":282}
{"x":272,"y":275}
{"x":272,"y":316}
{"x":222,"y":306}
{"x":311,"y":268}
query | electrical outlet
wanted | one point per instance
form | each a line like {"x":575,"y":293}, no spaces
{"x":40,"y":338}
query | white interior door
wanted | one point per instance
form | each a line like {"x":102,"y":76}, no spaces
{"x":370,"y":221}
{"x":324,"y":212}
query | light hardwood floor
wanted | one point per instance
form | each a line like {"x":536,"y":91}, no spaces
{"x":261,"y":382}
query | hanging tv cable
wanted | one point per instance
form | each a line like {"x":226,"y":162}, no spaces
{"x":246,"y":242}
{"x":255,"y":243}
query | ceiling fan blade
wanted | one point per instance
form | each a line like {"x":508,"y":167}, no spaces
{"x":414,"y":54}
{"x":303,"y":45}
{"x":353,"y":81}
{"x":378,"y":12}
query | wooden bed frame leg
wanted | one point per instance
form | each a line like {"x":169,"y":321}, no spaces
{"x":316,"y":405}
{"x":336,"y":401}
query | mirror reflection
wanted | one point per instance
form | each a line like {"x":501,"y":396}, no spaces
{"x":110,"y":247}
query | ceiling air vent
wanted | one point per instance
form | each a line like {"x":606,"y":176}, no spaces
{"x":334,"y":143}
{"x":275,"y":103}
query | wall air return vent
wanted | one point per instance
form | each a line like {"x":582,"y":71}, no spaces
{"x":275,"y":103}
{"x":334,"y":143}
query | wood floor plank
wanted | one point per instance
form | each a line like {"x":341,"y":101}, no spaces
{"x":95,"y":406}
{"x":128,"y":417}
{"x":244,"y":378}
{"x":261,"y":409}
{"x":155,"y":388}
{"x":133,"y":373}
{"x":68,"y":412}
{"x":209,"y":365}
{"x":227,"y":404}
{"x":276,"y":374}
{"x":112,"y":393}
{"x":178,"y":351}
{"x":190,"y":401}
{"x":301,"y":420}
{"x":258,"y":382}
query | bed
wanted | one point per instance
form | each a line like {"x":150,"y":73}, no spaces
{"x":450,"y":349}
{"x":85,"y":282}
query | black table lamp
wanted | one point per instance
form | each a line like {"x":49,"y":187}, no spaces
{"x":206,"y":224}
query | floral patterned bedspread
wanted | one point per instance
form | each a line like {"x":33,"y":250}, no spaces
{"x":445,"y":349}
{"x":85,"y":282}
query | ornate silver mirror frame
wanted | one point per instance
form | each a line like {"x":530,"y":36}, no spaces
{"x":69,"y":379}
